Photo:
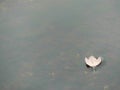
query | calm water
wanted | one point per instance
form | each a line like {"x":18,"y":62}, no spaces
{"x":43,"y":44}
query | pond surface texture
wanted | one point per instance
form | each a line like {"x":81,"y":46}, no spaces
{"x":43,"y":44}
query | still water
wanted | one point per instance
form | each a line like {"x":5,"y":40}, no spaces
{"x":43,"y":44}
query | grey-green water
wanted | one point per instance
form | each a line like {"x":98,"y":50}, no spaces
{"x":43,"y":44}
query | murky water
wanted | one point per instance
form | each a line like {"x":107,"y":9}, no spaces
{"x":43,"y":44}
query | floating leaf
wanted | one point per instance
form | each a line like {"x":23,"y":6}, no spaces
{"x":92,"y":61}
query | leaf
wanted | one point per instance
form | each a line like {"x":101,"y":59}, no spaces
{"x":92,"y":61}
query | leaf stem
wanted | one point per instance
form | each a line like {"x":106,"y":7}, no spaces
{"x":94,"y":69}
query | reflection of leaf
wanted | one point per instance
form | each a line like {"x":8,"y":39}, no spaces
{"x":92,"y":61}
{"x":106,"y":87}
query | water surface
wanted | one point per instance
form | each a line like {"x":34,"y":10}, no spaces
{"x":43,"y":44}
